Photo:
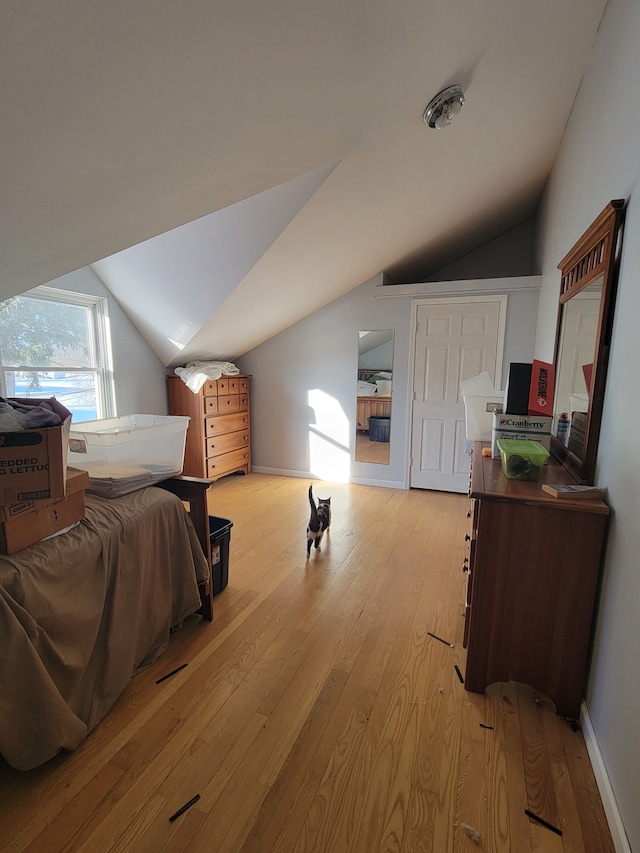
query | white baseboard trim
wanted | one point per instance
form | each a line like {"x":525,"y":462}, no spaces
{"x":386,"y":484}
{"x":281,"y":472}
{"x":614,"y":819}
{"x":307,"y":475}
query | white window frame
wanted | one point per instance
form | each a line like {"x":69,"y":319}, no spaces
{"x":100,"y":339}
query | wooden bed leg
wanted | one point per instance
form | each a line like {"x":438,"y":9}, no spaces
{"x":193,"y":490}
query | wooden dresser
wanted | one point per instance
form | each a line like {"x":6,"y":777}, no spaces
{"x":218,"y":436}
{"x":534,"y":564}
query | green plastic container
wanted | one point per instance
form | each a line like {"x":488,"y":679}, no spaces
{"x":522,"y":459}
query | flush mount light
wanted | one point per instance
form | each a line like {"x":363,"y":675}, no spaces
{"x":444,"y":107}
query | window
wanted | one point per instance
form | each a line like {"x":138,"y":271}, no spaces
{"x":54,"y":343}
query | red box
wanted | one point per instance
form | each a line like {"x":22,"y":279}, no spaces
{"x":541,"y":389}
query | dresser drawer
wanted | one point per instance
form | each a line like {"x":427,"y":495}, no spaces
{"x":233,"y":403}
{"x":229,"y":403}
{"x":210,"y":405}
{"x":228,"y":441}
{"x":218,"y":466}
{"x":228,"y":385}
{"x":226,"y":423}
{"x":210,"y":388}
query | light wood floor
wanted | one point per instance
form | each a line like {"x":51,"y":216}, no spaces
{"x":371,"y":451}
{"x":317,"y":712}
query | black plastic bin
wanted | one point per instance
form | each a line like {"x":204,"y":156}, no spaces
{"x":379,"y":429}
{"x":219,"y":537}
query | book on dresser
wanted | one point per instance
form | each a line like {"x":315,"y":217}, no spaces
{"x":573,"y":491}
{"x":218,"y":440}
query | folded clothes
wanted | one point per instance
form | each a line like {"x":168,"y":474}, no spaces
{"x":16,"y":416}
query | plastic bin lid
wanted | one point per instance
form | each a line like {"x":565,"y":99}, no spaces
{"x":523,"y":446}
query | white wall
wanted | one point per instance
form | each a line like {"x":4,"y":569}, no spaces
{"x":321,"y":352}
{"x":139,"y":374}
{"x":599,"y":161}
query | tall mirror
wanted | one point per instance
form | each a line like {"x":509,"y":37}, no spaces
{"x":585,"y":316}
{"x":373,"y":407}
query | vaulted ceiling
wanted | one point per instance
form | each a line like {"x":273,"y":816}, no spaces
{"x":229,"y":168}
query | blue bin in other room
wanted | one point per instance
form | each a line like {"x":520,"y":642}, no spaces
{"x":379,"y":429}
{"x":219,"y":537}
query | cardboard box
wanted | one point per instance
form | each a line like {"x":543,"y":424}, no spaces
{"x":33,"y":463}
{"x":77,"y":480}
{"x":28,"y":522}
{"x":522,"y":427}
{"x":542,"y":388}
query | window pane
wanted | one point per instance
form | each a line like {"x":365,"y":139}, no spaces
{"x":76,"y":391}
{"x":43,"y":333}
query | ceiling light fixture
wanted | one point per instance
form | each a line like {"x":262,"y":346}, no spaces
{"x":444,"y":107}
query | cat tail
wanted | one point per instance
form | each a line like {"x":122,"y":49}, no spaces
{"x":314,"y":510}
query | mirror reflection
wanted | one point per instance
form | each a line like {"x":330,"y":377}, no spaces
{"x":587,"y":294}
{"x":373,"y":407}
{"x":579,"y":325}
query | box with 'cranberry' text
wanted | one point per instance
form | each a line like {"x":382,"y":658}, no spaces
{"x":534,"y":427}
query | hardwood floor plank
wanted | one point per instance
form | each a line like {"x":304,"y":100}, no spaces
{"x":472,"y":794}
{"x":586,"y":799}
{"x":568,"y":815}
{"x":514,"y":828}
{"x":541,"y":798}
{"x":505,"y":790}
{"x":285,"y":807}
{"x":67,"y":830}
{"x":330,"y":822}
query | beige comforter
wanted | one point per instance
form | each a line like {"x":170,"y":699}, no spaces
{"x":84,"y":611}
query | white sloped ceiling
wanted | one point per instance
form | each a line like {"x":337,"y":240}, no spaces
{"x":228,"y":168}
{"x":207,"y":258}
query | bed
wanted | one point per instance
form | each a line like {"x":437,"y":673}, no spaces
{"x":83,"y":612}
{"x":373,"y":396}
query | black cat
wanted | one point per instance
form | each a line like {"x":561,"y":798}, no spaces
{"x":319,"y":521}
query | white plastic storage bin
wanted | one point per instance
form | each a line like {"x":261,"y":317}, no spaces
{"x":128,"y":453}
{"x":480,"y":399}
{"x":478,"y":415}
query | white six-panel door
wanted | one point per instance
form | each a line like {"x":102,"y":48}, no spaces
{"x":455,"y":339}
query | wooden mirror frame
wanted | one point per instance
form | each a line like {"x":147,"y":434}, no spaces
{"x":595,"y":255}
